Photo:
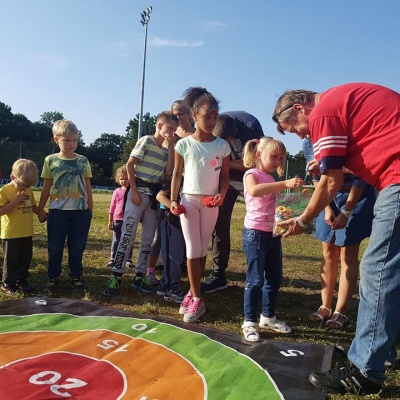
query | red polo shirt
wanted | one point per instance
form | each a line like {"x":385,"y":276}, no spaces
{"x":357,"y":125}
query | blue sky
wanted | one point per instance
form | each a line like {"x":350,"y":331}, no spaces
{"x":84,"y":57}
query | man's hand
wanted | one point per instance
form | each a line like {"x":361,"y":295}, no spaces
{"x":292,"y":227}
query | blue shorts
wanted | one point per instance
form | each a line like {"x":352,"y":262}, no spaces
{"x":359,"y":224}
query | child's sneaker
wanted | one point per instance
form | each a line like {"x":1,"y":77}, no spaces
{"x":9,"y":288}
{"x":195,"y":310}
{"x":176,"y":296}
{"x":77,"y":284}
{"x":152,"y":279}
{"x":213,"y":283}
{"x":185,"y":303}
{"x":250,"y":331}
{"x":24,"y":286}
{"x":162,"y":289}
{"x":274,"y":324}
{"x":112,"y":286}
{"x":110,"y":264}
{"x":142,"y":283}
{"x":51,"y":286}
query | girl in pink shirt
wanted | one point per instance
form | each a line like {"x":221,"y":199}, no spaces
{"x":116,"y":213}
{"x":262,"y":249}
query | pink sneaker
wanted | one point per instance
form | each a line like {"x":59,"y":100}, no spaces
{"x":195,"y":310}
{"x":185,"y":303}
{"x":152,"y":279}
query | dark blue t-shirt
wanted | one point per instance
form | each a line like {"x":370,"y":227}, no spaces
{"x":248,"y":127}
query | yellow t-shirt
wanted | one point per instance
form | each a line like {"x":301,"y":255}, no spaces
{"x":19,"y":222}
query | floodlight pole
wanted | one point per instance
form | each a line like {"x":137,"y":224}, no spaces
{"x":144,"y":21}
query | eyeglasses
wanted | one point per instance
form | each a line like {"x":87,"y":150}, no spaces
{"x":276,"y":116}
{"x":18,"y":183}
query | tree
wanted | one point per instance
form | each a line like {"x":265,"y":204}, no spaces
{"x":23,"y":130}
{"x":148,"y":128}
{"x":42,"y":132}
{"x":296,"y":165}
{"x":6,"y":122}
{"x":49,"y":117}
{"x":105,"y":151}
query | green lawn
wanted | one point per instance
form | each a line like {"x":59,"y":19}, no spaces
{"x":298,"y":296}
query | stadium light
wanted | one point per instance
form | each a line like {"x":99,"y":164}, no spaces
{"x":145,"y":18}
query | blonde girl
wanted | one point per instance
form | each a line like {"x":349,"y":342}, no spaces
{"x":262,"y":249}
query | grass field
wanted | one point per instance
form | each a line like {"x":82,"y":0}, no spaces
{"x":299,"y":294}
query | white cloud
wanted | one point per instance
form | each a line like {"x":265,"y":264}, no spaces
{"x":214,"y":24}
{"x":50,"y":62}
{"x":158,"y":42}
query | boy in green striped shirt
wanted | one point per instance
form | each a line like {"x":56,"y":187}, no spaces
{"x":151,"y":157}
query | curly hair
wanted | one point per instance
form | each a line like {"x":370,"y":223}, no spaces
{"x":196,"y":97}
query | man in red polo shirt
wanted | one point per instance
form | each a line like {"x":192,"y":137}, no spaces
{"x":356,"y":126}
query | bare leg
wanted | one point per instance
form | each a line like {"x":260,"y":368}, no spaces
{"x":194,"y":274}
{"x":329,"y":271}
{"x":203,"y":264}
{"x":348,"y":276}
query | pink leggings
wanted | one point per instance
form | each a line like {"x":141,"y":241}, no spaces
{"x":197,"y":225}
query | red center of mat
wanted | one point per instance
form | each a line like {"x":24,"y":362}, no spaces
{"x":61,"y":375}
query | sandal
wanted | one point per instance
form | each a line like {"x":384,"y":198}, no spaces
{"x":250,"y":331}
{"x":318,"y":317}
{"x":338,"y":321}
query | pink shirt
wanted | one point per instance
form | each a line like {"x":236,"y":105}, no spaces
{"x":260,"y":211}
{"x":117,"y":204}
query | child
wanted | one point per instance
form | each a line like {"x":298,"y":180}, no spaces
{"x":341,"y":228}
{"x":262,"y":249}
{"x":17,"y":203}
{"x":185,"y":128}
{"x":186,"y":122}
{"x":205,"y":159}
{"x":145,"y":167}
{"x":67,"y":182}
{"x":116,"y":213}
{"x":172,"y":248}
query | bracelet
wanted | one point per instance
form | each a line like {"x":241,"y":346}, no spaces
{"x":174,"y":201}
{"x":346,"y":213}
{"x":301,"y":223}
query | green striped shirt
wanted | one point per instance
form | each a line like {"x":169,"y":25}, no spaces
{"x":153,"y":161}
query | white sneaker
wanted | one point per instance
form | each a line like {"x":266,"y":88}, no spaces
{"x":195,"y":310}
{"x":273,"y":324}
{"x":250,"y":331}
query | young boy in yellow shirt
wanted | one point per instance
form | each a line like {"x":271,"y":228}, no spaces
{"x":17,"y":206}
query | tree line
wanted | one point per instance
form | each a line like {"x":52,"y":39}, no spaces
{"x":22,"y":138}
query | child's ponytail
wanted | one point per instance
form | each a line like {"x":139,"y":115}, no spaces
{"x":249,"y":153}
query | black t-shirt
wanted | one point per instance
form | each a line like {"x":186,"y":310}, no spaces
{"x":248,"y":127}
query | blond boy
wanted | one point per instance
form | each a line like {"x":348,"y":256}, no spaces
{"x":17,"y":205}
{"x":66,"y":178}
